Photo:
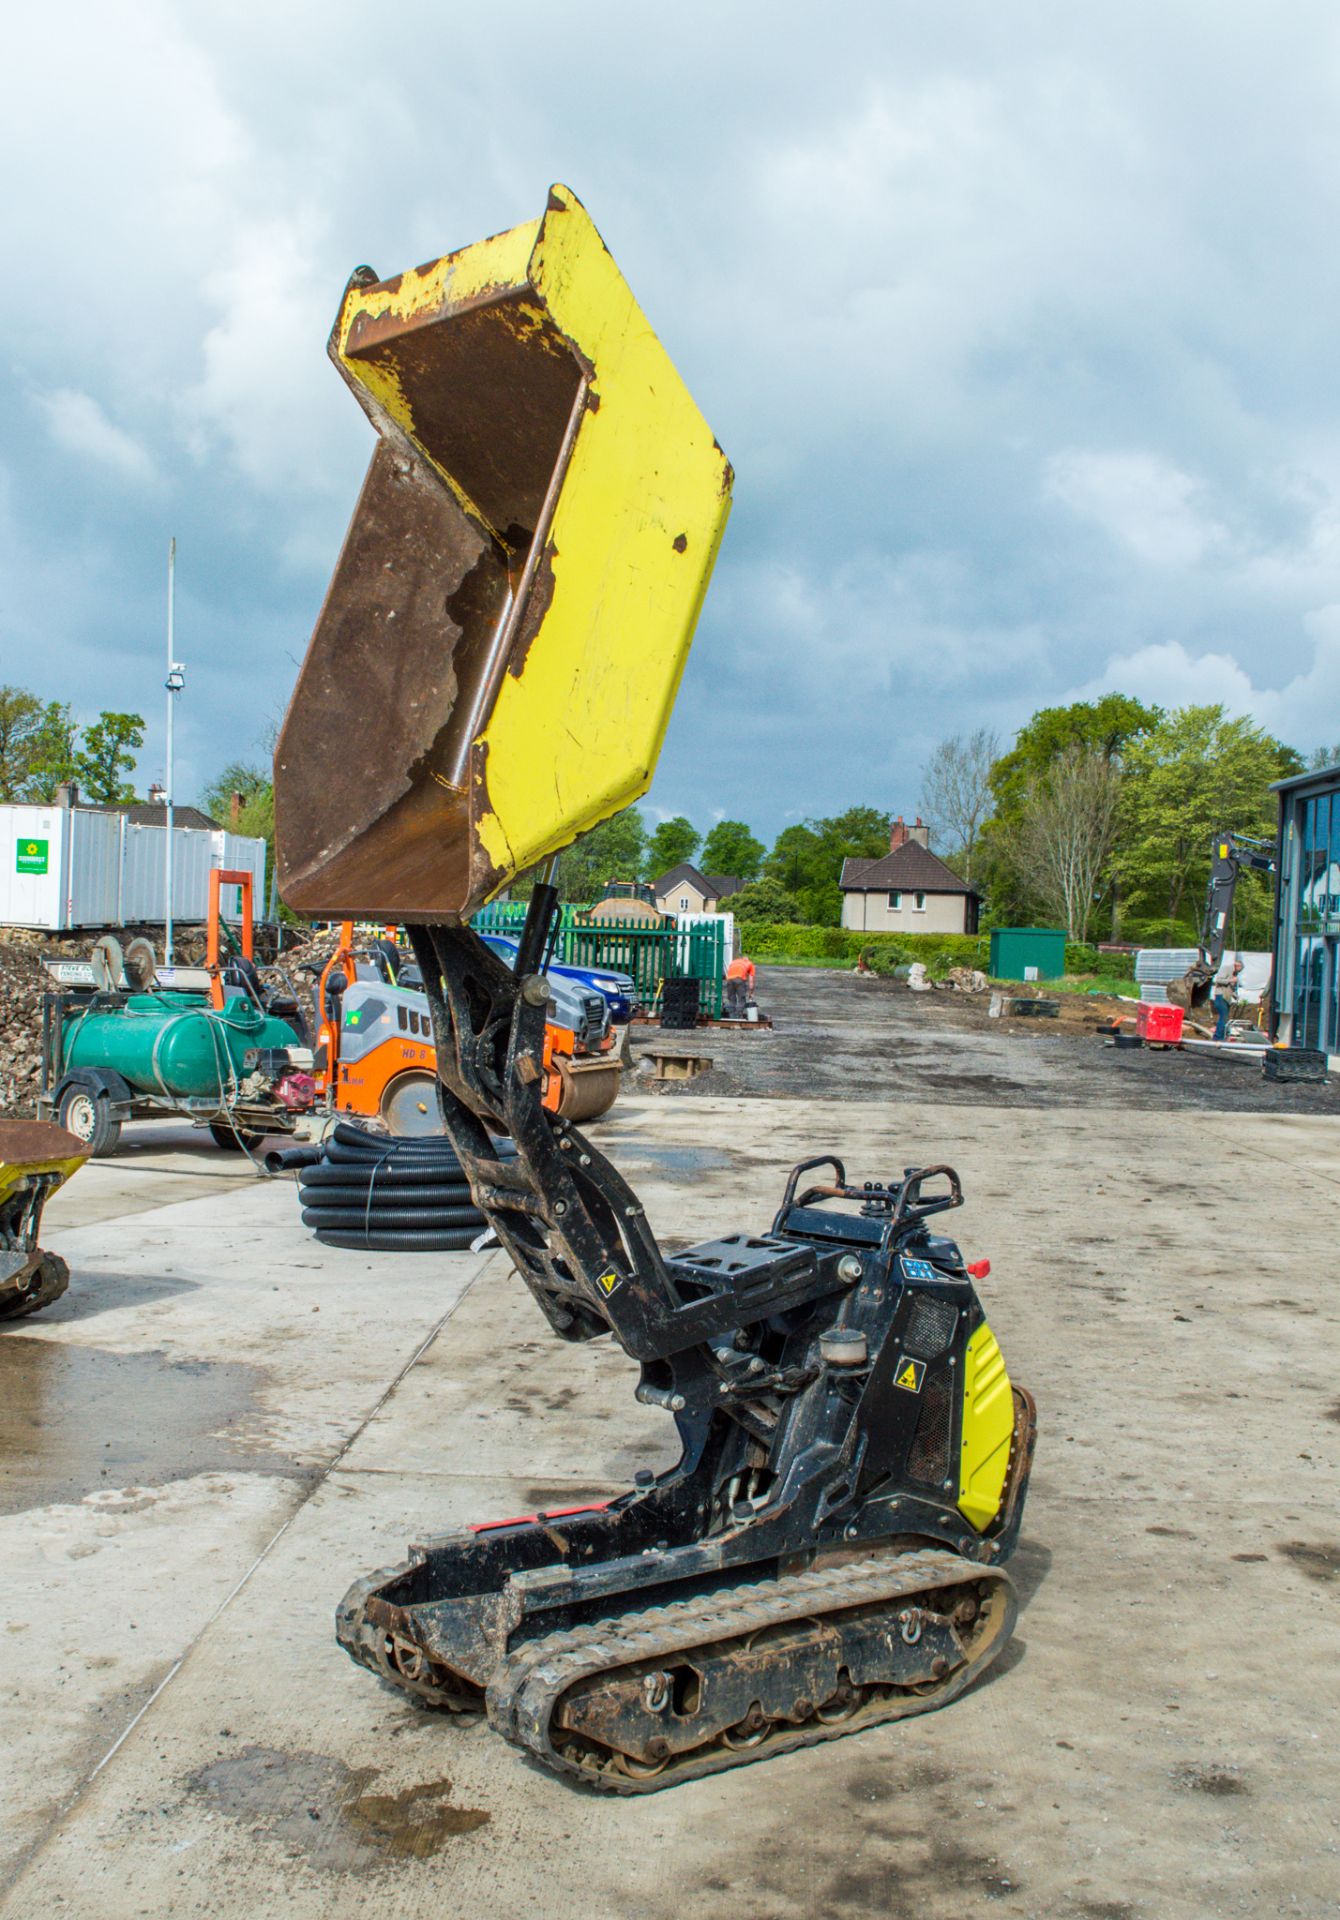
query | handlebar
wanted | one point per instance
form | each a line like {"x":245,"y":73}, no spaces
{"x":904,"y":1196}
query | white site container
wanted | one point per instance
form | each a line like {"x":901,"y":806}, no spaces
{"x":67,"y":867}
{"x":726,"y":921}
{"x":59,"y":868}
{"x":144,"y":880}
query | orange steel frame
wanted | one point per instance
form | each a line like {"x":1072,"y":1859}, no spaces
{"x":219,"y":878}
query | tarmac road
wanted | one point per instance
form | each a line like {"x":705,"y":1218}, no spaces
{"x":843,"y":1036}
{"x":221,"y":1425}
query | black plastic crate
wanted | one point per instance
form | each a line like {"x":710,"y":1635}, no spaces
{"x":679,"y":1004}
{"x":1294,"y":1063}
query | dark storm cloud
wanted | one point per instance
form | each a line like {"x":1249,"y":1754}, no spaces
{"x":1017,"y":324}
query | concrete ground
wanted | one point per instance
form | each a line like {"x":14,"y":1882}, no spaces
{"x":222,"y":1424}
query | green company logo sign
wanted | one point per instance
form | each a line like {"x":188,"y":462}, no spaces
{"x":31,"y":856}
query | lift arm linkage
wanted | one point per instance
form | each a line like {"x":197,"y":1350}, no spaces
{"x":574,"y":1228}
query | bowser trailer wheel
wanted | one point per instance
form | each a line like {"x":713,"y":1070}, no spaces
{"x":410,"y":1107}
{"x":233,"y":1139}
{"x":88,"y":1116}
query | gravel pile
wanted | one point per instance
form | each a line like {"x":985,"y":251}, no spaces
{"x":306,"y":949}
{"x":23,"y":980}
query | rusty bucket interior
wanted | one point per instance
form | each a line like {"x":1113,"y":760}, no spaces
{"x":498,"y":653}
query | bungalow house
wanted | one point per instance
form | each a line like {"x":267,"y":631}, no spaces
{"x":907,"y":890}
{"x":685,"y":890}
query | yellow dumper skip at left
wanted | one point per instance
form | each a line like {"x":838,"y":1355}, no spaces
{"x":35,"y":1159}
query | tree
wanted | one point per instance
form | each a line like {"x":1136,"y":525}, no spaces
{"x":1194,"y":774}
{"x":1109,"y":725}
{"x":807,"y":859}
{"x":241,"y":777}
{"x":956,"y":794}
{"x":615,"y":850}
{"x":1066,"y":831}
{"x":107,"y":751}
{"x":1320,"y":759}
{"x":763,"y":900}
{"x":36,"y":746}
{"x":20,"y":718}
{"x":52,"y":760}
{"x":673,"y":841}
{"x":730,"y":848}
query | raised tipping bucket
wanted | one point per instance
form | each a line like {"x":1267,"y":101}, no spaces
{"x":500,"y":647}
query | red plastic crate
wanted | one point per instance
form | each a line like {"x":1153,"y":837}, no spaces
{"x":1161,"y":1025}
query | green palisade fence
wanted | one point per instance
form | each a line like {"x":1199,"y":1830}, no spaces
{"x":649,"y":953}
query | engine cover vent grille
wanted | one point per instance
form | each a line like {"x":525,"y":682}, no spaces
{"x":930,"y":1326}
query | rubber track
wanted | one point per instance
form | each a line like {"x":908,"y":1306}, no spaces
{"x":52,"y":1277}
{"x":522,"y":1697}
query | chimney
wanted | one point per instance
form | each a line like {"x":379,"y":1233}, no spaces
{"x":157,"y":795}
{"x":235,"y":809}
{"x":897,"y":834}
{"x":67,"y":794}
{"x":921,"y":833}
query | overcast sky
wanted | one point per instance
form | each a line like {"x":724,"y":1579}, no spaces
{"x":1018,"y":323}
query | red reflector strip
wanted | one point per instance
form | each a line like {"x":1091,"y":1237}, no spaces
{"x":533,"y":1519}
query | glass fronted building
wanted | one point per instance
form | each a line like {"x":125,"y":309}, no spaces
{"x":1306,"y":997}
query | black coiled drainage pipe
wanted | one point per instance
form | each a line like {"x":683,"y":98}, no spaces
{"x":372,"y":1191}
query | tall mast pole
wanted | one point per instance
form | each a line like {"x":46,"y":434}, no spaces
{"x":173,"y":683}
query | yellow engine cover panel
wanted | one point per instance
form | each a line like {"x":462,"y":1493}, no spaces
{"x":988,"y":1427}
{"x":499,"y":652}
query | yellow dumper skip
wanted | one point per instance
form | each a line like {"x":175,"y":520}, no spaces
{"x":35,"y":1159}
{"x":500,"y":648}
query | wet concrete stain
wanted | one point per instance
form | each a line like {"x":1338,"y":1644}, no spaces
{"x":880,"y":1839}
{"x":633,"y":1151}
{"x":1220,"y":1783}
{"x":413,"y":1824}
{"x":320,"y":1807}
{"x":555,"y":1499}
{"x":1318,"y":1560}
{"x":76,"y":1420}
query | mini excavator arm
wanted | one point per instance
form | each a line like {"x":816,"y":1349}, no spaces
{"x":1230,"y":857}
{"x":574,"y":1227}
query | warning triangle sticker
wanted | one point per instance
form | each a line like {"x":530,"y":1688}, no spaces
{"x":910,"y":1375}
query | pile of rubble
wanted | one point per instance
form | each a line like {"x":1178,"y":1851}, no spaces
{"x":958,"y":979}
{"x":303,"y":947}
{"x":23,"y":979}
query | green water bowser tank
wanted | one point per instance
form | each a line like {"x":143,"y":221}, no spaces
{"x":173,"y":1043}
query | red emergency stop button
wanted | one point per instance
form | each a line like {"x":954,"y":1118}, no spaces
{"x":979,"y":1269}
